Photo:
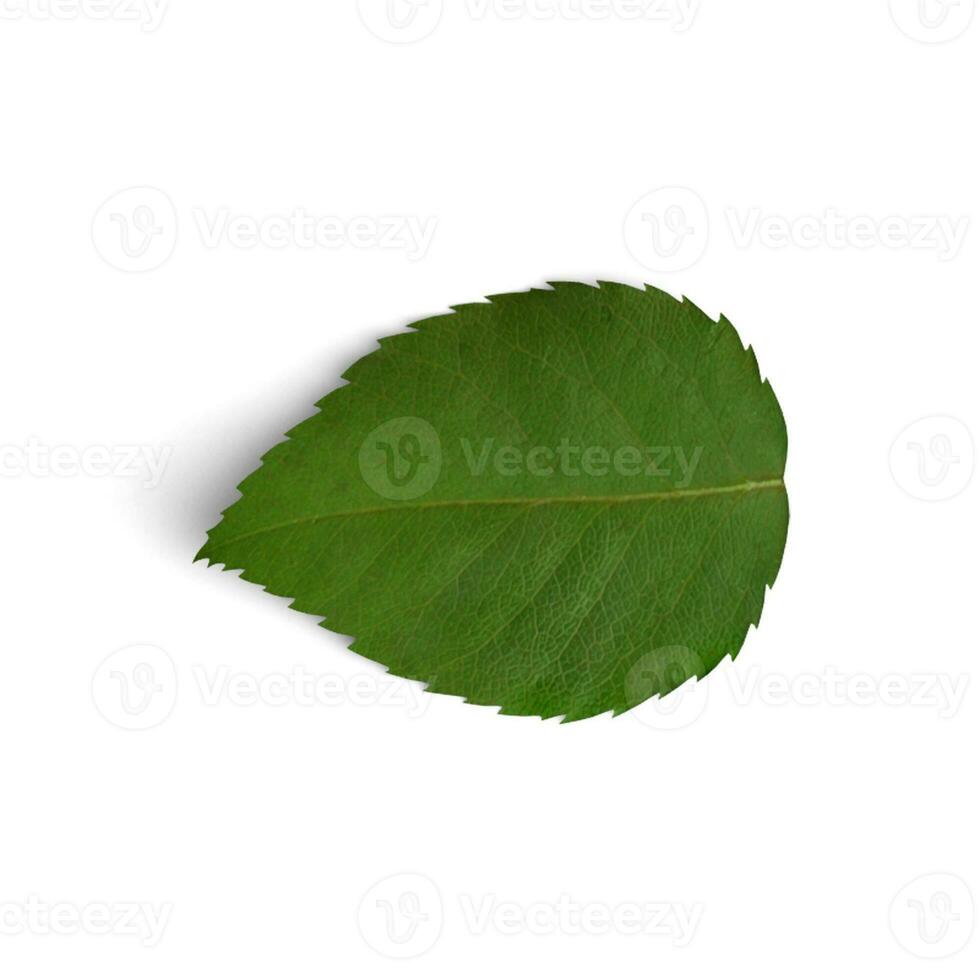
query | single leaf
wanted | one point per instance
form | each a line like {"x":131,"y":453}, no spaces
{"x":560,"y":502}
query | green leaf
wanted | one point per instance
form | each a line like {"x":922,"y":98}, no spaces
{"x":560,"y":502}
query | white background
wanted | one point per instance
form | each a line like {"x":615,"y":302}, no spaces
{"x":788,"y":824}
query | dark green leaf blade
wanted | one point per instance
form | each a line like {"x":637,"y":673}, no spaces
{"x":559,"y":502}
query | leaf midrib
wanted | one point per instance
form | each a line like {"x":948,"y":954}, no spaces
{"x":750,"y":486}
